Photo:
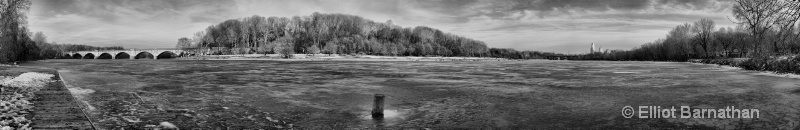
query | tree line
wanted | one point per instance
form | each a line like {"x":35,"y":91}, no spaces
{"x":53,"y":50}
{"x":333,"y":34}
{"x":17,"y":43}
{"x":764,"y":28}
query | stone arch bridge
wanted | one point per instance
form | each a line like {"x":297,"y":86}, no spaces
{"x":126,"y":54}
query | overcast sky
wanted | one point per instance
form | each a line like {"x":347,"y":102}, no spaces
{"x":543,"y":25}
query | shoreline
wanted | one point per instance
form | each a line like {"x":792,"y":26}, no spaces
{"x":325,"y":57}
{"x":735,"y":64}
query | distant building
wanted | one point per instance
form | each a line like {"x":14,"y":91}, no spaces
{"x":596,"y":49}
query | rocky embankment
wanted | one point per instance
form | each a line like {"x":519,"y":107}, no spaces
{"x":16,"y":95}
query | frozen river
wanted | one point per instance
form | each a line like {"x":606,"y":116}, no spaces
{"x":497,"y":94}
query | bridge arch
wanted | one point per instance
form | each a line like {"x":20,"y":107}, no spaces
{"x":144,"y":55}
{"x":77,"y":56}
{"x":128,"y":54}
{"x":105,"y":56}
{"x":122,"y":55}
{"x":88,"y":56}
{"x":67,"y":56}
{"x":166,"y":55}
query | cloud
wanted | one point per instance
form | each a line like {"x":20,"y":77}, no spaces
{"x":133,"y":24}
{"x":560,"y":25}
{"x":565,"y":23}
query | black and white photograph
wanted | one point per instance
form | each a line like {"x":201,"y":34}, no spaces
{"x":399,"y":64}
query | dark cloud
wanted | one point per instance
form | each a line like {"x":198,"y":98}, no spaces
{"x":595,"y":5}
{"x":579,"y":26}
{"x":109,"y":10}
{"x":102,"y":9}
{"x":501,"y":9}
{"x":445,"y":6}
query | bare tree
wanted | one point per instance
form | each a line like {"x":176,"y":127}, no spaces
{"x":320,"y":28}
{"x":285,"y":46}
{"x":40,"y":38}
{"x":13,"y":28}
{"x":184,"y":43}
{"x":703,"y":30}
{"x":786,"y":22}
{"x":723,"y":40}
{"x":757,"y":16}
{"x":678,"y":38}
{"x":198,"y":38}
{"x":331,"y":48}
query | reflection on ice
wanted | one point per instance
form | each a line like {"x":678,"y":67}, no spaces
{"x":390,"y":114}
{"x":387,"y":115}
{"x":390,"y":117}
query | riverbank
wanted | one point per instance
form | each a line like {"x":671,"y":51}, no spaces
{"x":780,"y":65}
{"x":326,"y":57}
{"x":16,"y":95}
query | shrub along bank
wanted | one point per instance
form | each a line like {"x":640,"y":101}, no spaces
{"x":783,"y":64}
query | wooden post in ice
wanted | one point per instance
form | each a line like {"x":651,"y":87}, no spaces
{"x":377,"y":109}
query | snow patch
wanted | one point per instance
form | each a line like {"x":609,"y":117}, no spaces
{"x":727,"y":67}
{"x":27,"y":80}
{"x":390,"y":114}
{"x":80,"y":91}
{"x":794,"y":76}
{"x":387,"y":114}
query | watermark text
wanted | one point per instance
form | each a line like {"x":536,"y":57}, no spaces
{"x":688,"y":112}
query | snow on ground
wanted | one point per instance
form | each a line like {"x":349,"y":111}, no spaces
{"x":726,"y":67}
{"x":768,"y":73}
{"x":29,"y":79}
{"x":794,"y":76}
